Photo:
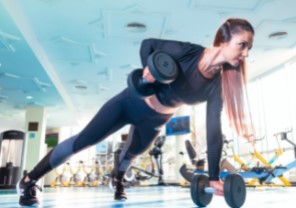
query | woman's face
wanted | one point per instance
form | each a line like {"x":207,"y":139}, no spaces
{"x":237,"y":49}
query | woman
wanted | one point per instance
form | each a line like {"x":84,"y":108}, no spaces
{"x":214,"y":75}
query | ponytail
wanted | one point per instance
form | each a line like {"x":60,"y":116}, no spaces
{"x":235,"y":98}
{"x":234,"y":93}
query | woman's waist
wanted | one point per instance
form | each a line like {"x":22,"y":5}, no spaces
{"x":156,"y":105}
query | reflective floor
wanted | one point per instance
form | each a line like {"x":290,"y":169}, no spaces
{"x":152,"y":196}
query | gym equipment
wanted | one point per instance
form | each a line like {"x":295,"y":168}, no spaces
{"x":263,"y":175}
{"x":156,"y":154}
{"x":63,"y":178}
{"x":284,"y":136}
{"x":267,"y":165}
{"x":243,"y":166}
{"x":11,"y":154}
{"x":162,"y":67}
{"x":77,"y":178}
{"x":94,"y":176}
{"x":188,"y":171}
{"x":255,"y":156}
{"x":234,"y":190}
{"x":84,"y":176}
{"x":226,"y":165}
{"x":280,"y":170}
{"x":135,"y":174}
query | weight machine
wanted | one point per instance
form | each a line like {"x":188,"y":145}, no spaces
{"x":136,"y":174}
{"x":264,"y":175}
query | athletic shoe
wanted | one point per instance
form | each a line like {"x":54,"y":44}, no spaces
{"x":119,"y":191}
{"x":27,"y":192}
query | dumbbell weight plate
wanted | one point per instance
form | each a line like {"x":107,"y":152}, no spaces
{"x":199,"y":196}
{"x":139,"y":89}
{"x":163,"y":67}
{"x":234,"y":190}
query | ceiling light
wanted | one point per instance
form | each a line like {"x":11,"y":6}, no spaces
{"x":80,"y":87}
{"x":10,"y":75}
{"x":278,"y":35}
{"x":29,"y":97}
{"x":136,"y":27}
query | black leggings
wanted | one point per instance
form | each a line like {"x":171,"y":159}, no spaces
{"x":121,"y":110}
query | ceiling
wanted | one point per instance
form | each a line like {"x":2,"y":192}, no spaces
{"x":70,"y":56}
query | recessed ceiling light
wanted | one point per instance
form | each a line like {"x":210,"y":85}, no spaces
{"x":136,"y":27}
{"x":278,"y":35}
{"x":29,"y":97}
{"x":81,"y":87}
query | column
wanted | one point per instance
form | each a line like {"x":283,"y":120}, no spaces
{"x":35,"y":127}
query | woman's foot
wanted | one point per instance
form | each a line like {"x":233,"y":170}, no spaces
{"x":218,"y":186}
{"x":27,"y":191}
{"x":119,"y":194}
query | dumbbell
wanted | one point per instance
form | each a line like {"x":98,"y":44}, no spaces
{"x":234,"y":190}
{"x":162,"y":67}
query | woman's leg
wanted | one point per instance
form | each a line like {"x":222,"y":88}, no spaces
{"x":134,"y":146}
{"x":111,"y":117}
{"x":139,"y":140}
{"x":108,"y":120}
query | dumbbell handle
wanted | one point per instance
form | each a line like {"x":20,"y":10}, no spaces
{"x":144,"y":81}
{"x":210,"y":190}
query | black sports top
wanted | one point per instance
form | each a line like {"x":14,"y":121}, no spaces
{"x":191,"y":87}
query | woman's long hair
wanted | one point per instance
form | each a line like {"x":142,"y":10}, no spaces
{"x":234,"y":79}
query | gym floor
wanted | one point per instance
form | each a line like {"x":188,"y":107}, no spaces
{"x":150,"y":196}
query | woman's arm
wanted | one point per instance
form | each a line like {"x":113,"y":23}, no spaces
{"x":214,"y":134}
{"x":148,"y":46}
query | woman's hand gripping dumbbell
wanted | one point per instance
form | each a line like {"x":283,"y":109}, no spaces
{"x":161,"y":68}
